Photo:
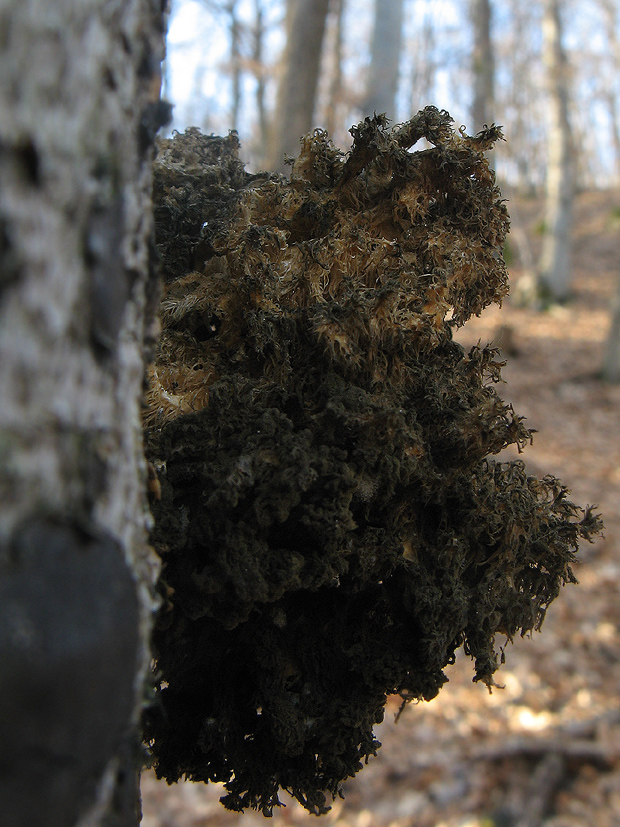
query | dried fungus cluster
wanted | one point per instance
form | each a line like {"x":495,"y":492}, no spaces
{"x":331,"y":527}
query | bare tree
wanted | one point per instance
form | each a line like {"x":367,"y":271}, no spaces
{"x":424,"y":66}
{"x":610,"y":13}
{"x":611,"y":359}
{"x":555,"y":262}
{"x":235,"y":62}
{"x":79,"y":107}
{"x":483,"y":64}
{"x":299,"y":79}
{"x":385,"y":50}
{"x":521,"y":106}
{"x":259,"y":72}
{"x":335,"y":83}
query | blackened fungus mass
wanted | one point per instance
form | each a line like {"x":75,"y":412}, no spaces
{"x":331,"y":524}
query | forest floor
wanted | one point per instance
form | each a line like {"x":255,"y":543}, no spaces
{"x":545,"y":748}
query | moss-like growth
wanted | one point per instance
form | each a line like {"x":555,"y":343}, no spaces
{"x":331,"y":527}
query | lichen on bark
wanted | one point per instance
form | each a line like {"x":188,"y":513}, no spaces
{"x":78,"y":81}
{"x":331,"y":522}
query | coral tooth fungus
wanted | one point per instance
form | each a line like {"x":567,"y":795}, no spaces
{"x":331,"y":525}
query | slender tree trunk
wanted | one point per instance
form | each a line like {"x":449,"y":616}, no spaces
{"x":79,"y":106}
{"x":555,"y":262}
{"x":483,"y":65}
{"x":259,"y":69}
{"x":610,"y":12}
{"x":235,"y":64}
{"x":612,"y":105}
{"x":424,"y":67}
{"x":611,"y":359}
{"x":386,"y":47}
{"x":525,"y":144}
{"x":335,"y":86}
{"x":299,"y":80}
{"x":517,"y":96}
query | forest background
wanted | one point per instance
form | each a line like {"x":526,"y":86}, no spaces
{"x":545,"y":749}
{"x":225,"y":58}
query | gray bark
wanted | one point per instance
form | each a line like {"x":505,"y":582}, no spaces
{"x":483,"y":65}
{"x":79,"y":105}
{"x":299,"y":79}
{"x":523,"y":145}
{"x":335,"y":85}
{"x":610,"y":12}
{"x":424,"y":67}
{"x":235,"y":63}
{"x":611,"y":359}
{"x":555,"y":262}
{"x":259,"y":69}
{"x":386,"y":46}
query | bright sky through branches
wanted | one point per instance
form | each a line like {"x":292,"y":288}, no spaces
{"x":198,"y":52}
{"x":437,"y":41}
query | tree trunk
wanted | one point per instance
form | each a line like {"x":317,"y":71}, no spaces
{"x":259,"y":70}
{"x":555,"y":262}
{"x":299,"y":79}
{"x":609,"y":8}
{"x":334,"y":97}
{"x":79,"y":107}
{"x":235,"y":64}
{"x":483,"y":65}
{"x":611,"y":360}
{"x":524,"y":144}
{"x":612,"y":105}
{"x":386,"y":45}
{"x":424,"y":66}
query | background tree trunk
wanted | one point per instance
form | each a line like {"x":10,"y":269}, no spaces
{"x":235,"y":63}
{"x":299,"y":80}
{"x":610,"y":13}
{"x":483,"y":65}
{"x":523,"y":146}
{"x":259,"y":69}
{"x":424,"y":66}
{"x":79,"y":107}
{"x":382,"y":84}
{"x":334,"y":95}
{"x":555,"y":262}
{"x":611,"y":359}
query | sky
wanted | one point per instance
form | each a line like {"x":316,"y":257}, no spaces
{"x":197,"y":48}
{"x":198,"y":43}
{"x":197,"y":84}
